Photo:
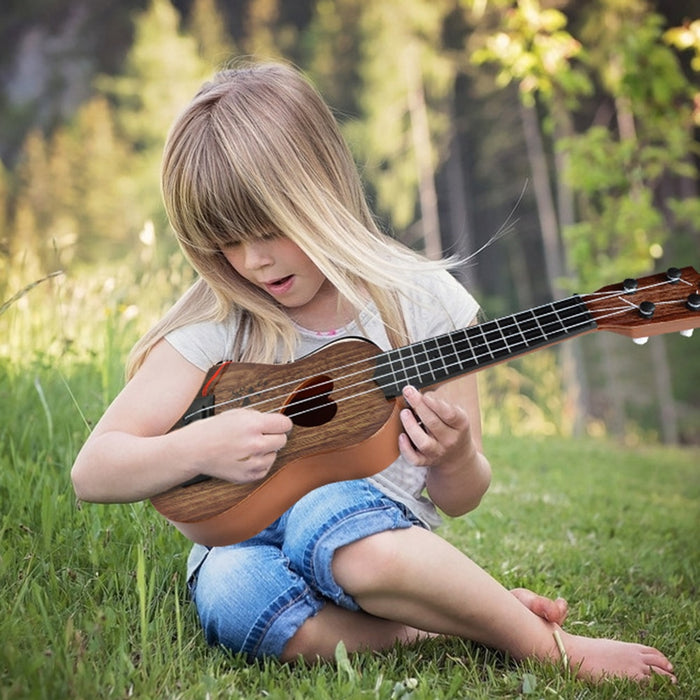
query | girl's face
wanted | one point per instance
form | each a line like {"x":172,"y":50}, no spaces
{"x":282,"y":269}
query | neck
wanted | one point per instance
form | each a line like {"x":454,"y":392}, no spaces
{"x":327,"y":312}
{"x":434,"y":360}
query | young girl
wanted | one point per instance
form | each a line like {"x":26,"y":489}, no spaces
{"x":268,"y":206}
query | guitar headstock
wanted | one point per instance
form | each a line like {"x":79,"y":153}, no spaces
{"x":662,"y":303}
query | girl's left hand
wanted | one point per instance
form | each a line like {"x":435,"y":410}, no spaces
{"x":437,"y":433}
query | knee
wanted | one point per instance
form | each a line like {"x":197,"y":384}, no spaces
{"x":371,"y":564}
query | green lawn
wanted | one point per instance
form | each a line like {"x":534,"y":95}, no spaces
{"x":94,"y":604}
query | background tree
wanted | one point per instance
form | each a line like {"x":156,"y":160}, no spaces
{"x":4,"y":231}
{"x":207,"y":25}
{"x":446,"y":148}
{"x":405,"y":89}
{"x":626,"y":168}
{"x":533,"y":49}
{"x":162,"y":71}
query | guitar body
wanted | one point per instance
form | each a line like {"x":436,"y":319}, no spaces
{"x":339,"y":433}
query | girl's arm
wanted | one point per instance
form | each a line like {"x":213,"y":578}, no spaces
{"x":130,"y":455}
{"x":449,"y":441}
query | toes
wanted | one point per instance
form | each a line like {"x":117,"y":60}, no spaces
{"x":546,"y":608}
{"x":561,"y":610}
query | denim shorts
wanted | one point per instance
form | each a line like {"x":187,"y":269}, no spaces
{"x":253,"y":596}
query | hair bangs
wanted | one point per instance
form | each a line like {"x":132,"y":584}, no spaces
{"x":214,"y":207}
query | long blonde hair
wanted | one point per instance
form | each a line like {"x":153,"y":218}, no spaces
{"x":258,"y":150}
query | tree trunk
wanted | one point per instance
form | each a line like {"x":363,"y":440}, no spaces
{"x":614,"y":394}
{"x":460,"y":240}
{"x":579,"y":402}
{"x":571,"y":360}
{"x":659,"y":357}
{"x":420,"y":133}
{"x":664,"y":392}
{"x":549,"y":228}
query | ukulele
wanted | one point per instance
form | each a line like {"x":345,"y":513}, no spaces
{"x":344,"y":399}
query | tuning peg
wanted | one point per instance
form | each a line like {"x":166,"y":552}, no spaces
{"x":687,"y":333}
{"x":646,"y":309}
{"x":640,"y":341}
{"x":630,"y":285}
{"x":673,"y":274}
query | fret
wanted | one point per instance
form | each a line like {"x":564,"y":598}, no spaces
{"x":547,"y":321}
{"x":481,"y":330}
{"x":442,"y":370}
{"x":561,"y":326}
{"x":427,"y":361}
{"x":465,"y":349}
{"x":494,"y":338}
{"x":411,"y":366}
{"x":450,"y":338}
{"x":518,"y":325}
{"x":421,"y":359}
{"x":397,"y":377}
{"x":569,"y":311}
{"x":406,"y":371}
{"x":503,"y":335}
{"x":435,"y":359}
{"x":531,"y":327}
{"x":450,"y":359}
{"x":558,"y":317}
{"x":432,"y":358}
{"x":513,"y":335}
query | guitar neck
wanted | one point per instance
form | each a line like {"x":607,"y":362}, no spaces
{"x":444,"y":357}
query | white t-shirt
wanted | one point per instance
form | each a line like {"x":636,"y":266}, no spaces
{"x":437,"y":305}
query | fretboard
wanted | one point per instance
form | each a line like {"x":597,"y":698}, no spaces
{"x":434,"y":360}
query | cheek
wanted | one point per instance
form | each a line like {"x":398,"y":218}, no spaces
{"x":233,"y":258}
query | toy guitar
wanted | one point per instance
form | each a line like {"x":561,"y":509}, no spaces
{"x":344,"y":399}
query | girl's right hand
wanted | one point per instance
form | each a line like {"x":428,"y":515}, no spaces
{"x":238,"y":445}
{"x":132,"y":453}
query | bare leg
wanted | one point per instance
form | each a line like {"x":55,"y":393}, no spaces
{"x":415,"y":577}
{"x":318,"y":636}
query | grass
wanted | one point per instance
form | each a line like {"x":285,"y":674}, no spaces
{"x":93,"y":598}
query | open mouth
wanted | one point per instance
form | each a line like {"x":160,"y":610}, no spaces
{"x":280,"y":285}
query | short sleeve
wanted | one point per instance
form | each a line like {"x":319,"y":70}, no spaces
{"x":443,"y":305}
{"x":203,"y":344}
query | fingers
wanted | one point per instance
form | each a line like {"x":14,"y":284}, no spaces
{"x":240,"y":445}
{"x":263,"y":446}
{"x":434,"y":428}
{"x":434,"y":413}
{"x":272,"y":423}
{"x":256,"y":467}
{"x":416,"y":439}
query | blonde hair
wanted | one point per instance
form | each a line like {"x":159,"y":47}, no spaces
{"x":258,"y":150}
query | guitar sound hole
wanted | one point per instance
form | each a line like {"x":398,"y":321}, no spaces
{"x":310,"y":405}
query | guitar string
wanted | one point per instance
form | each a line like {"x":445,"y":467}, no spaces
{"x":372,"y":383}
{"x":476,"y":358}
{"x":368,"y":363}
{"x":367,"y":360}
{"x":653,"y":285}
{"x":574,"y":300}
{"x":478,"y":346}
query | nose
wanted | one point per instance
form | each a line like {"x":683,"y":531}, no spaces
{"x":256,"y":255}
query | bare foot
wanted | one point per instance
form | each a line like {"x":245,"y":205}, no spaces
{"x":594,"y":659}
{"x":546,"y":608}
